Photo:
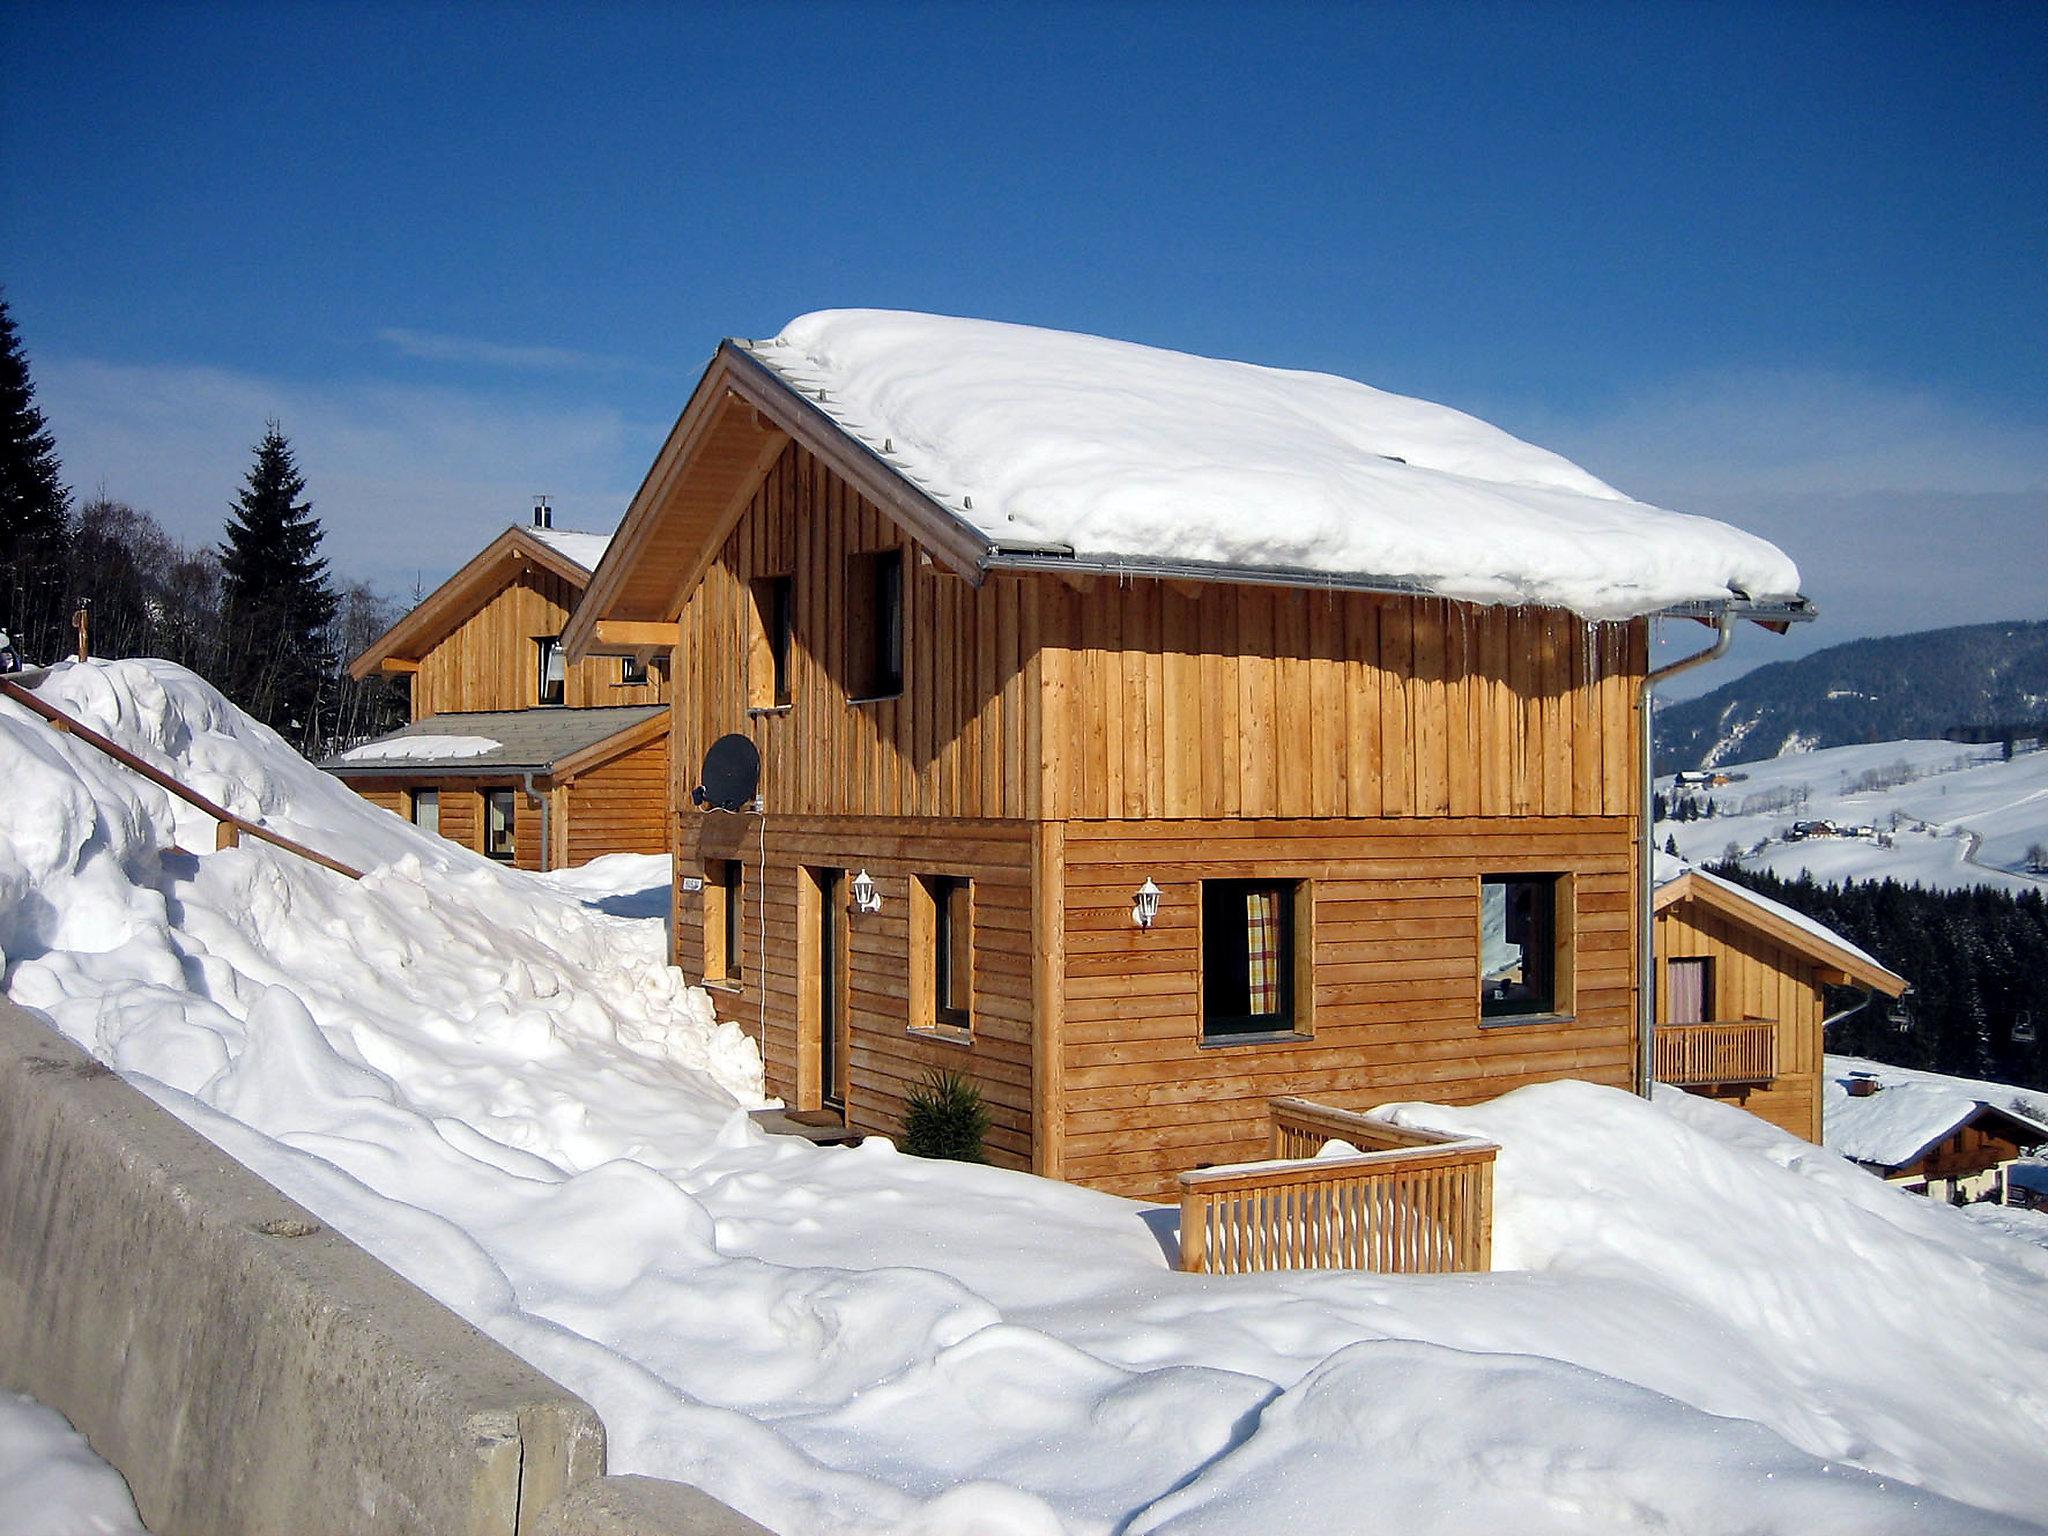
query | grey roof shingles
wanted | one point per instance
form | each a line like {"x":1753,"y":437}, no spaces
{"x":529,"y":740}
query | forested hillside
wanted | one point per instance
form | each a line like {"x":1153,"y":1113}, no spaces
{"x":1980,"y":677}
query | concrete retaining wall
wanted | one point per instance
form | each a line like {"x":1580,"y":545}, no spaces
{"x":249,"y":1371}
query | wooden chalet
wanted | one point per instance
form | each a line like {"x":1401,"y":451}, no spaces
{"x":1740,"y":982}
{"x":1929,"y":1135}
{"x":513,"y":750}
{"x":1139,"y":844}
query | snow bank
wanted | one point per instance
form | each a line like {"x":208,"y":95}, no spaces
{"x":1118,"y":450}
{"x":407,"y":748}
{"x":1700,"y":1325}
{"x":51,"y":1483}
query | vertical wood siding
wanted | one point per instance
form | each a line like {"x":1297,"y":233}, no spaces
{"x":489,"y":661}
{"x":1755,"y":978}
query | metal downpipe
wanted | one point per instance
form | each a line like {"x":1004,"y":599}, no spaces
{"x":1646,"y":878}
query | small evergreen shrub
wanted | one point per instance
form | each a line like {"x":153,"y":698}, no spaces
{"x":946,"y":1118}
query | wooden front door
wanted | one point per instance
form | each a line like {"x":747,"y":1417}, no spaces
{"x":821,"y":1031}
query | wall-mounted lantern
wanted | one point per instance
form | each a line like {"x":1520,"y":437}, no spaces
{"x":865,"y":897}
{"x":1146,"y":905}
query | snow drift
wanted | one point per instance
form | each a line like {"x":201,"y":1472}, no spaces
{"x":1701,"y":1325}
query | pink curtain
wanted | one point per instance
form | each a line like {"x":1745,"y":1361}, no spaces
{"x":1688,"y":983}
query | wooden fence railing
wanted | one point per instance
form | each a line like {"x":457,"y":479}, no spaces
{"x":1738,"y":1051}
{"x":1417,"y":1203}
{"x":229,"y":829}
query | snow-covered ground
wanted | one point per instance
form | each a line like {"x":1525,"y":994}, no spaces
{"x":1697,"y":1324}
{"x":51,"y":1483}
{"x":1958,"y":815}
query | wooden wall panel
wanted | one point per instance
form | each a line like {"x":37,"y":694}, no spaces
{"x":620,"y":806}
{"x":1224,"y":700}
{"x":1755,"y":978}
{"x":490,"y":661}
{"x":953,"y":744}
{"x":1395,"y":988}
{"x":886,"y":1056}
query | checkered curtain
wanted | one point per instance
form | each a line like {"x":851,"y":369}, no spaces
{"x":1262,"y":950}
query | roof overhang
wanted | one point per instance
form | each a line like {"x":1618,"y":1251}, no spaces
{"x":1840,"y":966}
{"x":401,"y":647}
{"x":739,"y":419}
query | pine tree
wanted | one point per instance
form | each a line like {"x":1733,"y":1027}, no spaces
{"x":275,"y":598}
{"x":35,"y":510}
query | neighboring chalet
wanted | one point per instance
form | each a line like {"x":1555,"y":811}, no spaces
{"x":512,"y":750}
{"x":1930,"y":1135}
{"x":1148,"y":737}
{"x":1739,"y":995}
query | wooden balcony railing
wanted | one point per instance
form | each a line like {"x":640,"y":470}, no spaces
{"x":1410,"y":1202}
{"x":1717,"y":1054}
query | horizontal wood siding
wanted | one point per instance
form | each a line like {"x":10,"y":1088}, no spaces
{"x":620,"y":806}
{"x":461,"y":808}
{"x":1394,"y":980}
{"x":1754,"y":978}
{"x":489,"y":661}
{"x":960,"y":741}
{"x":1167,"y":701}
{"x":885,"y":1056}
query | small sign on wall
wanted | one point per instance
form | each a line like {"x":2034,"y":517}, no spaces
{"x":693,"y":882}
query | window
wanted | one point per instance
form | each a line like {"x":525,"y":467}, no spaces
{"x":874,"y":625}
{"x":768,"y":657}
{"x":552,"y":671}
{"x":1688,"y":991}
{"x":724,"y":902}
{"x":1251,"y":949}
{"x":426,"y":810}
{"x":942,"y":939}
{"x":500,"y":827}
{"x":1525,"y":942}
{"x":632,"y":672}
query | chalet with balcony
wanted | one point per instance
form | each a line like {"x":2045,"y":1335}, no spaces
{"x":512,"y":750}
{"x":1741,"y":983}
{"x":1151,"y":739}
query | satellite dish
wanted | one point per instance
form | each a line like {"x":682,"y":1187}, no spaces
{"x":732,"y":773}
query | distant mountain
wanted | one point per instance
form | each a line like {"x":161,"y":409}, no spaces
{"x":1894,"y":687}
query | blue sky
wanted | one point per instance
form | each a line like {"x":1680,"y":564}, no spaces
{"x":1783,"y":265}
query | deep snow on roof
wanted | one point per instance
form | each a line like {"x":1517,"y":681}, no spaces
{"x":1118,"y":451}
{"x":1899,"y":1122}
{"x":586,"y":549}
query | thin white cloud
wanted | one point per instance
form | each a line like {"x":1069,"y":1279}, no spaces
{"x":407,"y":481}
{"x":430,"y":346}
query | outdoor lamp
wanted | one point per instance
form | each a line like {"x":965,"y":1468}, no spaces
{"x":865,"y":897}
{"x":1146,"y":907}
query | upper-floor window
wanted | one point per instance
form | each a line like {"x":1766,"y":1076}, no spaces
{"x":774,"y":628}
{"x":632,"y":672}
{"x":553,"y":673}
{"x":874,"y":624}
{"x":1525,"y":945}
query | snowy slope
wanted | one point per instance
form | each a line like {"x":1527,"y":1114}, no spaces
{"x":1117,"y":450}
{"x":51,"y":1482}
{"x":1965,"y":816}
{"x":504,"y":1093}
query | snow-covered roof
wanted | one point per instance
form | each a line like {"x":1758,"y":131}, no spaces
{"x":1668,"y":869}
{"x":586,"y":549}
{"x":479,"y":742}
{"x":1106,"y":450}
{"x":1894,"y":1126}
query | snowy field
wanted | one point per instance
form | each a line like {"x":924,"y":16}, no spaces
{"x":1698,"y":1324}
{"x":51,"y":1483}
{"x":1965,"y":816}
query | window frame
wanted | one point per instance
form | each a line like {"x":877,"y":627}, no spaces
{"x":1560,"y":917}
{"x":877,"y":611}
{"x":942,"y":957}
{"x":632,"y":672}
{"x":723,"y":923}
{"x":511,"y":798}
{"x":418,"y":795}
{"x":550,"y":650}
{"x":771,"y":602}
{"x":1294,"y":1020}
{"x":1708,"y":984}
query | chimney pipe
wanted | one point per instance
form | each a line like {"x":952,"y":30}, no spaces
{"x":543,"y":514}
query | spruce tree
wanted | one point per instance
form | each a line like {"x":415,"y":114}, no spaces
{"x":275,"y":599}
{"x":35,"y":510}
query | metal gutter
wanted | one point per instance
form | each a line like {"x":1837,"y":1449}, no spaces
{"x":1646,"y":876}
